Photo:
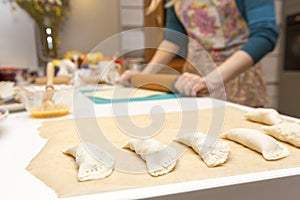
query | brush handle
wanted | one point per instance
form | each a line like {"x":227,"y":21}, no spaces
{"x":50,"y":75}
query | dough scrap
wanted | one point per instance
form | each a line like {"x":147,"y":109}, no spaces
{"x":286,"y":131}
{"x":270,"y":148}
{"x":266,"y":116}
{"x":93,"y":162}
{"x":213,"y":156}
{"x":160,"y":159}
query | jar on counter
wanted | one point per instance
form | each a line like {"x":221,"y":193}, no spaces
{"x":7,"y":73}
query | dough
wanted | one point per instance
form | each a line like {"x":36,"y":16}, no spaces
{"x":93,"y":162}
{"x":123,"y":93}
{"x":214,"y":155}
{"x":266,"y":116}
{"x":286,"y":131}
{"x":260,"y":142}
{"x":160,"y":159}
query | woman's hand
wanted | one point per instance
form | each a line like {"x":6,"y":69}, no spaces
{"x":190,"y":84}
{"x":125,"y":78}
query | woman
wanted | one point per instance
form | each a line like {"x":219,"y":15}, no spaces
{"x":235,"y":33}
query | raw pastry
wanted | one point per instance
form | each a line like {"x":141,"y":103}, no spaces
{"x":93,"y":162}
{"x":286,"y":131}
{"x":160,"y":159}
{"x":214,"y":155}
{"x":266,"y":116}
{"x":262,"y":143}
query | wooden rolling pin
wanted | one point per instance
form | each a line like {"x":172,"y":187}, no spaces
{"x":158,"y":82}
{"x":56,"y":80}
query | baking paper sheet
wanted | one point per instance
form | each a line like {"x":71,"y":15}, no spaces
{"x":59,"y":171}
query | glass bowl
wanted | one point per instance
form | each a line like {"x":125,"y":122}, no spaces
{"x":40,"y":105}
{"x":3,"y":114}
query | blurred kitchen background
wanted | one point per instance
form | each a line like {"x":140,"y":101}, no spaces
{"x":92,"y":21}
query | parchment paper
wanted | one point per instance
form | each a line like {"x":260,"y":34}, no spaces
{"x":59,"y":171}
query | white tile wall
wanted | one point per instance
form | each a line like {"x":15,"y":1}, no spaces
{"x":131,"y":3}
{"x":132,"y":17}
{"x":132,"y":40}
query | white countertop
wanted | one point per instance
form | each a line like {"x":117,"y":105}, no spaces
{"x":20,"y":142}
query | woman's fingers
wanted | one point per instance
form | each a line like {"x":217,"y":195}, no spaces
{"x":189,"y":84}
{"x":198,"y":87}
{"x":181,"y":85}
{"x":126,"y":77}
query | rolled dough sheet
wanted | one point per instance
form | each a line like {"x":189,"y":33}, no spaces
{"x":123,"y":93}
{"x":59,"y":171}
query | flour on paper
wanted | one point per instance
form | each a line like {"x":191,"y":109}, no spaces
{"x":124,"y":93}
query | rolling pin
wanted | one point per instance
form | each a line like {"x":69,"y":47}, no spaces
{"x":158,"y":82}
{"x":56,"y":80}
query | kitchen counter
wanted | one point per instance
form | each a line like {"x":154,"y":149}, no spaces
{"x":20,"y":142}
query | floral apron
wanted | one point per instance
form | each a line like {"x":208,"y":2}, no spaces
{"x":221,"y":30}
